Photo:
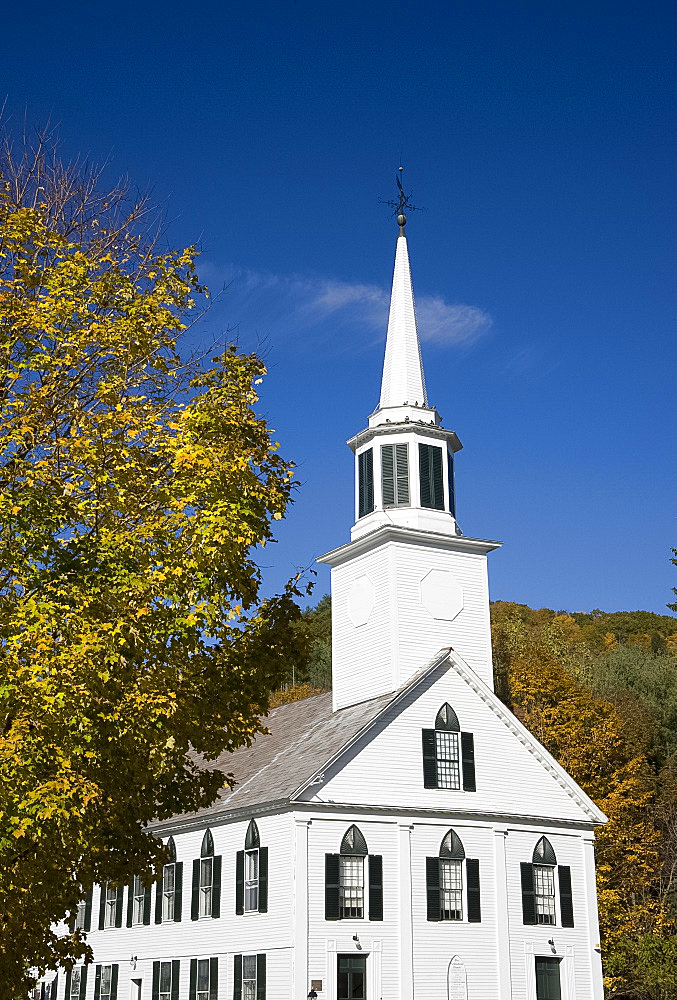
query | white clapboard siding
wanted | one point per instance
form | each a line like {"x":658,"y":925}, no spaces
{"x":387,"y":769}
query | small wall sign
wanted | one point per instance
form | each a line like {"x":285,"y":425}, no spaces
{"x":458,"y":983}
{"x":316,"y":984}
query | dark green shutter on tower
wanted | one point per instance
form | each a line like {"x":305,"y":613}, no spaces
{"x":472,"y":870}
{"x":430,"y":474}
{"x":566,"y":902}
{"x":528,"y":893}
{"x":394,"y":475}
{"x":452,"y":487}
{"x":365,"y":482}
{"x":468,"y":761}
{"x":263,"y":879}
{"x":331,"y":887}
{"x":375,"y":887}
{"x":432,"y":888}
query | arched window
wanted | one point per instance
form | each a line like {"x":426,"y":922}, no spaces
{"x":445,"y":887}
{"x":544,"y":861}
{"x":351,"y":873}
{"x":347,"y":894}
{"x":171,"y":891}
{"x":206,"y":874}
{"x":251,"y":874}
{"x":448,"y":754}
{"x":541,"y":878}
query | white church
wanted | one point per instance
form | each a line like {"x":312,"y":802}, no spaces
{"x":402,"y":837}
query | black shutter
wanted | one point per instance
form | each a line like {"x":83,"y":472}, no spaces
{"x":528,"y":894}
{"x":331,"y":887}
{"x":260,"y":977}
{"x":216,"y":886}
{"x":54,"y":988}
{"x":83,"y":983}
{"x":147,"y":892}
{"x":178,"y":889}
{"x":263,"y":879}
{"x":67,"y":991}
{"x":239,"y":882}
{"x":468,"y":761}
{"x":429,"y":759}
{"x":452,"y":489}
{"x":237,"y":977}
{"x":102,"y":905}
{"x":430,"y":473}
{"x":155,"y":995}
{"x":424,"y":474}
{"x":375,"y":887}
{"x":365,"y":482}
{"x":566,"y":902}
{"x":71,"y":925}
{"x":401,"y":474}
{"x":213,"y":979}
{"x":88,"y":909}
{"x":432,"y":888}
{"x":159,"y":890}
{"x":119,"y":902}
{"x":192,"y":988}
{"x":472,"y":870}
{"x":97,"y":982}
{"x":388,"y":475}
{"x":195,"y":896}
{"x":130,"y":903}
{"x":176,"y":965}
{"x":113,"y":984}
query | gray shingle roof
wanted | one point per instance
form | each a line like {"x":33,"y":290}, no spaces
{"x":303,"y":736}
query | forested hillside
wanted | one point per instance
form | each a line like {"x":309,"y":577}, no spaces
{"x":599,"y":690}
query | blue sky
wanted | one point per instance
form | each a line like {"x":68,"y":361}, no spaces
{"x":539,"y":138}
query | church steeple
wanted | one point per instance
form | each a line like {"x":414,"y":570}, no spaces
{"x":403,"y":379}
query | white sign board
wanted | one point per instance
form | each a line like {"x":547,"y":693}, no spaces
{"x":458,"y":983}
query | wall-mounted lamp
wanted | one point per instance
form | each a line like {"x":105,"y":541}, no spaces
{"x":356,"y":937}
{"x":551,"y":942}
{"x":312,"y":995}
{"x":133,"y":960}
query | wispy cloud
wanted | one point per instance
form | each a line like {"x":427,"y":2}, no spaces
{"x":263,"y":301}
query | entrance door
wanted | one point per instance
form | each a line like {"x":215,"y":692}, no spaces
{"x":352,"y":977}
{"x":547,"y":979}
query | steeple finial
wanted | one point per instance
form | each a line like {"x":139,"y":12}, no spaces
{"x":403,"y":380}
{"x":402,"y":202}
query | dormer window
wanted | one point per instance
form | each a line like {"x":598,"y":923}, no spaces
{"x":394,"y":475}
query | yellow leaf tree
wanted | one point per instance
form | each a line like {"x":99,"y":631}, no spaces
{"x":134,"y":486}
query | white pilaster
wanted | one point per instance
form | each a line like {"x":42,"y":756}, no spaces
{"x":406,"y":940}
{"x":502,"y":915}
{"x":300,"y":915}
{"x":593,"y":923}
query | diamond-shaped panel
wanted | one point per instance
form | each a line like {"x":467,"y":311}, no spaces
{"x":361,"y":600}
{"x":441,"y":595}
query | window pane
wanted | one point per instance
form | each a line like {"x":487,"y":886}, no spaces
{"x":448,"y":770}
{"x":249,"y":966}
{"x":168,"y":878}
{"x":206,"y":887}
{"x":544,"y":884}
{"x":203,"y":974}
{"x":165,"y":977}
{"x":451,"y":875}
{"x":249,"y":989}
{"x":351,"y":886}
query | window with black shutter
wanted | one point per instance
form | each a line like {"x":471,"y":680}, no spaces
{"x":448,"y":754}
{"x":206,"y":887}
{"x":539,"y":887}
{"x":346,"y":894}
{"x":251,"y":874}
{"x":168,"y":892}
{"x":249,"y":977}
{"x":394,"y":475}
{"x":365,"y":482}
{"x":203,"y":983}
{"x":430,"y":476}
{"x":445,"y":882}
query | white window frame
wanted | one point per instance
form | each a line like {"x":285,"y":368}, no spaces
{"x":352,"y":887}
{"x":251,"y":880}
{"x":165,"y":994}
{"x":448,"y":753}
{"x":249,"y":984}
{"x":206,"y":900}
{"x":203,"y":994}
{"x":452,"y":887}
{"x":168,"y":895}
{"x":111,"y":904}
{"x":138,"y":900}
{"x":106,"y":982}
{"x":545,"y":901}
{"x":76,"y":981}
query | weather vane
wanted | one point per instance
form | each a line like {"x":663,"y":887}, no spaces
{"x":402,"y":201}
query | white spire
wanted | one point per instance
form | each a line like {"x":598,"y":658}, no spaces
{"x":403,"y":380}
